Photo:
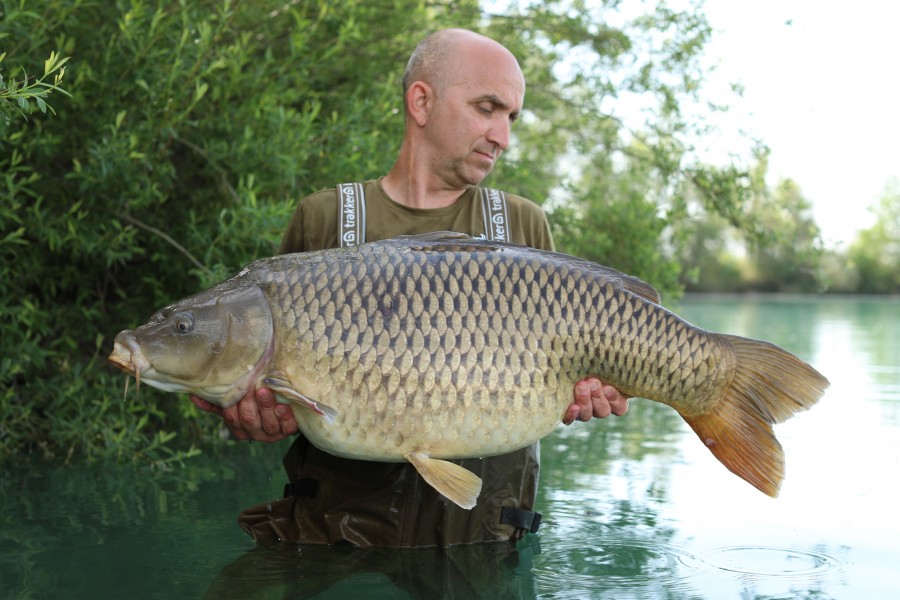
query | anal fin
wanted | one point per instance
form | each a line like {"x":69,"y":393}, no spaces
{"x":280,"y":386}
{"x":458,"y":484}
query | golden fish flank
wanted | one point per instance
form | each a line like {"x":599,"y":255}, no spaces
{"x":435,"y":347}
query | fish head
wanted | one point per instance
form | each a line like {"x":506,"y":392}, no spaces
{"x":214,"y":345}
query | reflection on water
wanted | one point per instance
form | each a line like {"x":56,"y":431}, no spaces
{"x":634,"y":507}
{"x":96,"y":531}
{"x":485,"y":571}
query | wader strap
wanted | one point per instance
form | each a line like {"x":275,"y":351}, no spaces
{"x":523,"y":519}
{"x":351,"y":214}
{"x":496,"y":214}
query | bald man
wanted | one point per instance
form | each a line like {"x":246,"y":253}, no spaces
{"x":462,"y":94}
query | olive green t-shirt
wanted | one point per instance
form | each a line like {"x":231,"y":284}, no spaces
{"x":314,"y":225}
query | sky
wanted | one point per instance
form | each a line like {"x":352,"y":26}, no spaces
{"x":821,"y":85}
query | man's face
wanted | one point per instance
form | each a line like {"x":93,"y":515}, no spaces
{"x":475,"y":106}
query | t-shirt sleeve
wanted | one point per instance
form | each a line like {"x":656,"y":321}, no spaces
{"x":530,"y":225}
{"x":292,"y":240}
{"x":543,"y":237}
{"x":314,"y":224}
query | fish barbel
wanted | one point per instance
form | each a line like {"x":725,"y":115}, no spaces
{"x":436,"y":347}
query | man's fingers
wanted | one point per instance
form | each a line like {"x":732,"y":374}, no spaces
{"x":595,"y":403}
{"x":232,"y":420}
{"x":278,"y":419}
{"x":601,"y":408}
{"x":571,"y":414}
{"x":206,"y":406}
{"x":591,"y":398}
{"x":617,"y":401}
{"x":599,"y":402}
{"x":265,"y":402}
{"x":286,"y":419}
{"x":583,"y":398}
{"x":248,"y":414}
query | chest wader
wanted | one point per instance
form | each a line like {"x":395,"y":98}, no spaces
{"x":366,"y":503}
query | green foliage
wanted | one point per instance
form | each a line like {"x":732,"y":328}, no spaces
{"x":191,"y":130}
{"x":789,"y":260}
{"x":29,"y":94}
{"x":614,"y":219}
{"x":875,"y":255}
{"x":766,"y":242}
{"x":709,"y":262}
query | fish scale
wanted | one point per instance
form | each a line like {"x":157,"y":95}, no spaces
{"x":426,"y":348}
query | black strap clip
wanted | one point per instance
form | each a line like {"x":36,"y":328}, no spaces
{"x":517,"y":517}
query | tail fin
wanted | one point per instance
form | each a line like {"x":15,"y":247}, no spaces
{"x":769,"y":386}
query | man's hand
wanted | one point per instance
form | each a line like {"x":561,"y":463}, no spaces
{"x":593,"y":399}
{"x":257,"y":416}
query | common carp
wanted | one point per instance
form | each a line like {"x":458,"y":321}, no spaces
{"x":440,"y":346}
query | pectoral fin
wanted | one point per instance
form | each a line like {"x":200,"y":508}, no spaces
{"x":282,"y":387}
{"x":459,"y":485}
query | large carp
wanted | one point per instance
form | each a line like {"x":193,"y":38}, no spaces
{"x":424,"y":348}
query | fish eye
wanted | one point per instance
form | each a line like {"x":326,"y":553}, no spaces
{"x":184,"y":322}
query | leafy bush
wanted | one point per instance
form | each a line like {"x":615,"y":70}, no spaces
{"x":191,"y":131}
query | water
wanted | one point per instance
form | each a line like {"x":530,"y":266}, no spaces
{"x":634,"y":507}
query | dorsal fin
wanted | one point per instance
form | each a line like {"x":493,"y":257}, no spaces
{"x":641,"y":288}
{"x":436,"y":236}
{"x":630,"y":283}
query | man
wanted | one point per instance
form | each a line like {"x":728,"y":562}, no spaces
{"x":462,"y":93}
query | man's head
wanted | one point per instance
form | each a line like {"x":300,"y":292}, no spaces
{"x":462,"y":92}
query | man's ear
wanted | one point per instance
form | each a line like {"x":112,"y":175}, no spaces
{"x":419,"y":101}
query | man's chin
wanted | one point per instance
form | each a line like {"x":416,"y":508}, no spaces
{"x":476,"y":175}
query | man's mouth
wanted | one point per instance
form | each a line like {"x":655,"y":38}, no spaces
{"x":487,"y":155}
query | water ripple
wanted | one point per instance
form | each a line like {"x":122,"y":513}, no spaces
{"x":631,"y":568}
{"x":771,"y":561}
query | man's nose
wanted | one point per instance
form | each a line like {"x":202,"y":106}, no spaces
{"x":499,"y":132}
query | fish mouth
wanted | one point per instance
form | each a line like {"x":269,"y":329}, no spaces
{"x":127,"y":356}
{"x":121,"y":357}
{"x":123,"y":353}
